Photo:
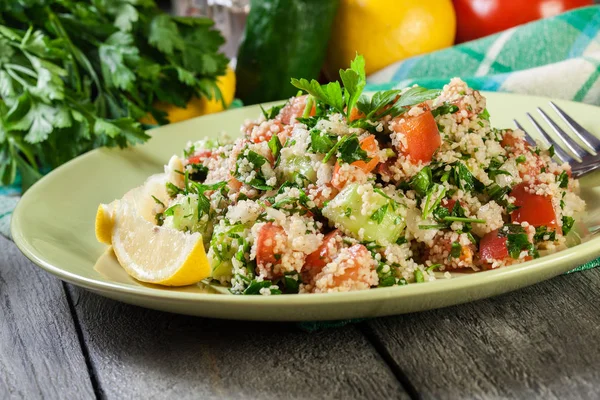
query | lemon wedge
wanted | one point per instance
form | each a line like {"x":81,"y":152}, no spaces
{"x":151,"y":253}
{"x":105,"y":222}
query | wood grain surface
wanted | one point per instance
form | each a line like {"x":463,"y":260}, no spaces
{"x":539,"y":342}
{"x":40,"y":354}
{"x":152,"y":354}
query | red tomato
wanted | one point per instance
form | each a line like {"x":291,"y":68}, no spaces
{"x":448,"y":204}
{"x":294,"y":109}
{"x":352,"y":265}
{"x":325,"y":253}
{"x":533,"y":208}
{"x":422,"y":136}
{"x":355,"y":114}
{"x":493,"y":246}
{"x":266,"y":242}
{"x":478,"y":18}
{"x":202,"y":155}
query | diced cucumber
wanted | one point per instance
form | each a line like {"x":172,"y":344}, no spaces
{"x":184,"y":216}
{"x":294,"y":167}
{"x":383,"y":225}
{"x":226,"y":242}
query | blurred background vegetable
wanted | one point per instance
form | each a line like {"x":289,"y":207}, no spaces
{"x":478,"y":18}
{"x":75,"y":75}
{"x":385,"y":31}
{"x":282,"y":39}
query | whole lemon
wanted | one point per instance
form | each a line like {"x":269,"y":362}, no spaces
{"x":385,"y":31}
{"x":198,"y":106}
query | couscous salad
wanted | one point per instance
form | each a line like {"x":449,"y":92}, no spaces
{"x":338,"y":191}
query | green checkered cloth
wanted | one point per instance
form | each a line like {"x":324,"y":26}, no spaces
{"x":556,"y":57}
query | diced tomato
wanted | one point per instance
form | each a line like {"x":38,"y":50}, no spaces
{"x":318,"y":193}
{"x":535,"y":209}
{"x":509,"y":140}
{"x":357,"y":252}
{"x":200,"y":156}
{"x":316,"y":260}
{"x":369,"y":145}
{"x":355,"y":114}
{"x":422,"y":135}
{"x":493,"y":246}
{"x":448,"y":204}
{"x":234,"y":184}
{"x":266,"y":244}
{"x":294,"y":109}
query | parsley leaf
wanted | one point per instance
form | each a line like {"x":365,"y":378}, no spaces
{"x":330,"y":94}
{"x":354,"y":82}
{"x":455,"y":250}
{"x":350,"y":150}
{"x":518,"y":242}
{"x":321,"y":142}
{"x":445,"y":108}
{"x":379,"y":214}
{"x":563,"y":180}
{"x":567,"y":224}
{"x":275,"y":146}
{"x":272,"y":112}
{"x":422,"y":181}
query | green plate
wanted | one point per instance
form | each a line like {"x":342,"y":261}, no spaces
{"x":54,"y":226}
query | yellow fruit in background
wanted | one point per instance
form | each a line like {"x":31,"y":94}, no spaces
{"x":386,"y":31}
{"x":198,"y":106}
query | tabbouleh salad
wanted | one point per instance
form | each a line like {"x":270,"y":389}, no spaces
{"x":337,"y":191}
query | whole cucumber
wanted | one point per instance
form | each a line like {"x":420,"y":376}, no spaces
{"x":282,"y":39}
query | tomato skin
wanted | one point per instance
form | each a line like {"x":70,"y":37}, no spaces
{"x":294,"y":109}
{"x":476,"y":18}
{"x":535,"y":209}
{"x":315,"y":261}
{"x":493,"y":246}
{"x":422,"y":136}
{"x":352,"y":265}
{"x":369,"y":145}
{"x":266,"y":243}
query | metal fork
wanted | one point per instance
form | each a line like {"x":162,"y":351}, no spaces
{"x":583,"y":159}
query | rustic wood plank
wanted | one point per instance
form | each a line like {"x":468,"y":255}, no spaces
{"x":40,"y":354}
{"x":150,"y":354}
{"x":538,"y":342}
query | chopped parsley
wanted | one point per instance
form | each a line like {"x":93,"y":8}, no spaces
{"x":567,"y":224}
{"x":563,"y":180}
{"x":419,"y":278}
{"x":272,"y":112}
{"x":455,"y":250}
{"x":275,"y":146}
{"x":378,"y":215}
{"x":321,"y":142}
{"x":445,"y":108}
{"x":258,"y":181}
{"x":422,"y":181}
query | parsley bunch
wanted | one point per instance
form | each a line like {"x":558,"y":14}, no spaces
{"x":75,"y":75}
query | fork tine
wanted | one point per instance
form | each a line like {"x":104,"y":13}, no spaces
{"x":563,"y":155}
{"x":590,"y":140}
{"x":528,"y":137}
{"x":566,"y":139}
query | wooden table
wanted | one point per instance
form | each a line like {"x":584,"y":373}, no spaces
{"x":59,"y":341}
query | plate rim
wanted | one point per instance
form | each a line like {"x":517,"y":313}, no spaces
{"x":547,"y":263}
